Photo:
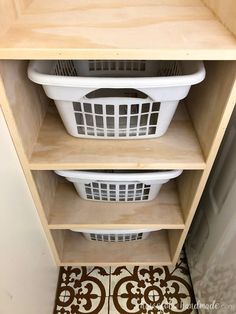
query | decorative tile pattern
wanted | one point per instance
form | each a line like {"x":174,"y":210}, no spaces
{"x":125,"y":290}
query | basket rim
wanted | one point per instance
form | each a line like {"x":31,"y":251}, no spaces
{"x":36,"y":73}
{"x":114,"y":231}
{"x":140,"y":177}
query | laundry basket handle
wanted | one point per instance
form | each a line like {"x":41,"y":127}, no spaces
{"x":116,"y":100}
{"x":110,"y":181}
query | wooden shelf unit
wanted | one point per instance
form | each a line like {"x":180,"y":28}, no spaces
{"x":117,"y":30}
{"x":209,"y":106}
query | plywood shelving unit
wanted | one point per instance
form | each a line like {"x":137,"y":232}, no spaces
{"x":177,"y":30}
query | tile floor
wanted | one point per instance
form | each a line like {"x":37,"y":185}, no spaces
{"x":137,"y":290}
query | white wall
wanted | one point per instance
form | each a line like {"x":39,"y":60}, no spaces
{"x":28,"y":275}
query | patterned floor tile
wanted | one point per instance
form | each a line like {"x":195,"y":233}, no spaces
{"x":125,"y":290}
{"x":154,"y":289}
{"x":117,"y":273}
{"x":83,"y":290}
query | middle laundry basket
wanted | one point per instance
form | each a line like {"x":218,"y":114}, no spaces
{"x":118,"y":185}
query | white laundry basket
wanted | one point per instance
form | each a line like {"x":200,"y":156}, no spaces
{"x":116,"y":99}
{"x":121,"y":235}
{"x":118,"y":186}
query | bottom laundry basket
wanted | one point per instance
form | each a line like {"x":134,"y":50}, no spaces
{"x":118,"y":186}
{"x":122,"y":235}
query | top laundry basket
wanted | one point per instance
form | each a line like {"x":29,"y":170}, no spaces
{"x":116,"y":99}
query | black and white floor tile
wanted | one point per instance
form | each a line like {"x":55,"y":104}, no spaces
{"x":125,"y":290}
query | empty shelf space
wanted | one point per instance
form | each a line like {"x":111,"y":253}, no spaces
{"x":177,"y":149}
{"x":74,"y":249}
{"x":70,"y":211}
{"x":98,"y":29}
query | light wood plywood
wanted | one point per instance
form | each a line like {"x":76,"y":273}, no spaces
{"x":79,"y":251}
{"x":174,"y":241}
{"x":134,"y":29}
{"x":10,"y":76}
{"x":46,"y":183}
{"x":220,"y":97}
{"x":188,"y":181}
{"x":59,"y":241}
{"x":44,"y":144}
{"x":70,"y":211}
{"x":23,"y":4}
{"x":10,"y":10}
{"x":177,"y":149}
{"x":211,"y":100}
{"x":27,"y":103}
{"x":8,"y":15}
{"x":225,"y":10}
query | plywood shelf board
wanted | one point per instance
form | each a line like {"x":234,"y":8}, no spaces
{"x":177,"y":149}
{"x":137,"y":29}
{"x":70,"y":211}
{"x":152,"y":251}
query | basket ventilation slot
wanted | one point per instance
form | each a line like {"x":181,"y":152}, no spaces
{"x":117,"y":192}
{"x":122,"y":237}
{"x":162,"y":68}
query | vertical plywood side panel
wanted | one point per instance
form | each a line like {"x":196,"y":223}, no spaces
{"x":190,"y":187}
{"x":207,"y":102}
{"x":197,"y":181}
{"x":27,"y":102}
{"x":174,"y":237}
{"x":6,"y":106}
{"x":25,"y":257}
{"x":46,"y":183}
{"x":187,"y":185}
{"x":210,"y":110}
{"x":226,"y":12}
{"x":59,"y":240}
